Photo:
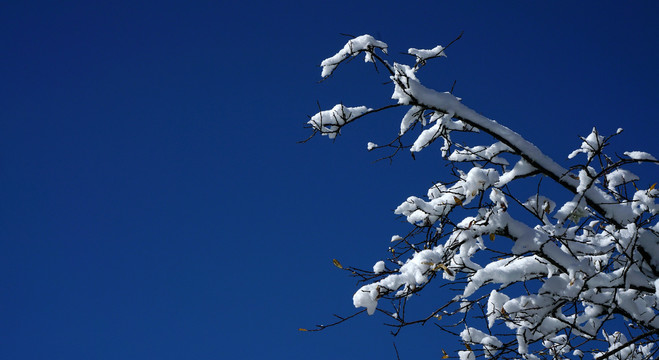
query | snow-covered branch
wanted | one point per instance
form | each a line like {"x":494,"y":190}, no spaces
{"x":548,"y":287}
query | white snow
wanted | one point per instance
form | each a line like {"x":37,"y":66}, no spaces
{"x":521,"y":168}
{"x":378,"y":267}
{"x":507,"y":271}
{"x":619,"y":177}
{"x":466,"y":355}
{"x":590,"y":145}
{"x":639,"y":155}
{"x":352,"y":48}
{"x":474,"y":336}
{"x":481,"y":153}
{"x":495,"y":306}
{"x":411,"y":274}
{"x":539,"y":204}
{"x":597,"y":261}
{"x":329,"y":122}
{"x":413,"y":115}
{"x":429,"y":135}
{"x":425,"y":54}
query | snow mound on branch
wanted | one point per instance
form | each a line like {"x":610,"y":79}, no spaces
{"x":539,"y":204}
{"x":407,"y":87}
{"x":474,"y":336}
{"x":353,"y":47}
{"x":423,"y":54}
{"x":521,"y":168}
{"x":590,"y":145}
{"x":631,"y":352}
{"x":495,"y":306}
{"x":427,"y":136}
{"x":507,"y":271}
{"x":480,"y":153}
{"x":586,"y":178}
{"x":640,"y":155}
{"x":378,"y":267}
{"x":466,"y":355}
{"x":413,"y":115}
{"x":443,"y":199}
{"x":412,"y":274}
{"x":619,"y":177}
{"x":329,"y":122}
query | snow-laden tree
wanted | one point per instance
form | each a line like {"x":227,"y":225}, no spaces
{"x":536,"y":277}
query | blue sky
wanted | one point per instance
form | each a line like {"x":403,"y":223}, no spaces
{"x":154,"y":202}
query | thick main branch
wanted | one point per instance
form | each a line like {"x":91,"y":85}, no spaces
{"x":447,"y":103}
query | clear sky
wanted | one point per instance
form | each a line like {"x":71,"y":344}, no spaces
{"x":154,"y":203}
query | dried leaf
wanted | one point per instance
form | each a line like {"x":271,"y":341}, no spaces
{"x":492,"y":236}
{"x":504,"y":313}
{"x":652,"y":187}
{"x":302,"y":329}
{"x":468,"y":347}
{"x":457,"y":200}
{"x":337,"y":263}
{"x":443,"y":267}
{"x":547,"y":208}
{"x":444,"y":354}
